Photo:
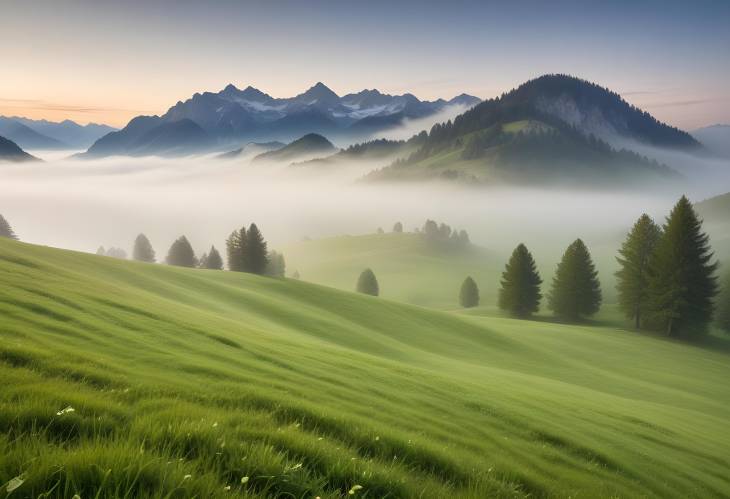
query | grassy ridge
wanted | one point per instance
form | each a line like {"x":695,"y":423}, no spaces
{"x":407,"y":267}
{"x":184,"y":383}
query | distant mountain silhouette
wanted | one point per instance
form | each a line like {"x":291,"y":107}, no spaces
{"x":149,"y":135}
{"x":10,"y":151}
{"x":43,"y":134}
{"x":716,"y":138}
{"x":303,"y":148}
{"x":233,"y":116}
{"x":26,"y":137}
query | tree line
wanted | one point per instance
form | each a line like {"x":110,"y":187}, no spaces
{"x":247,"y":251}
{"x":666,"y":280}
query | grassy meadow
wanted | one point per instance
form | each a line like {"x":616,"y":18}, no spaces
{"x":408,"y":268}
{"x":124,"y":379}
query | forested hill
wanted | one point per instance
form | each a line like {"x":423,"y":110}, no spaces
{"x":554,"y":128}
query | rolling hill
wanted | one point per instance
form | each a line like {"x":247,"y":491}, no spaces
{"x":138,"y":380}
{"x":529,"y":151}
{"x":409,"y":268}
{"x":304,"y":148}
{"x":553,"y":129}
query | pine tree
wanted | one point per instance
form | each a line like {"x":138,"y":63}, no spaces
{"x":520,"y":292}
{"x":296,"y":275}
{"x":367,"y":283}
{"x":255,"y":255}
{"x":576,"y":292}
{"x":235,"y":246}
{"x":682,"y":277}
{"x":723,"y":305}
{"x":213,"y":260}
{"x":6,"y":230}
{"x":143,"y":251}
{"x":181,"y":253}
{"x":633,"y":278}
{"x":469,"y":293}
{"x":101,"y":251}
{"x":398,"y":228}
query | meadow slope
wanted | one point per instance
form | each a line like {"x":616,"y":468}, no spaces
{"x":123,"y":379}
{"x":408,"y":268}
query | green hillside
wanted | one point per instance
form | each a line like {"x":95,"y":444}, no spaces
{"x":524,"y":148}
{"x":123,"y":379}
{"x":407,"y":267}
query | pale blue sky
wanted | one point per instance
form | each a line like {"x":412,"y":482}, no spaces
{"x":110,"y":60}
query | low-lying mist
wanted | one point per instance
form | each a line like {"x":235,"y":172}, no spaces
{"x":82,"y":205}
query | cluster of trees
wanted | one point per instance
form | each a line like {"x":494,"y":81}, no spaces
{"x":575,"y":292}
{"x":247,"y":252}
{"x":667,"y":280}
{"x":435,"y":233}
{"x":6,"y":230}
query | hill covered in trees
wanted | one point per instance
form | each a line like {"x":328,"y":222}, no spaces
{"x":554,"y":129}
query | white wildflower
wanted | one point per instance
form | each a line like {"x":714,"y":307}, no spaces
{"x":65,"y":411}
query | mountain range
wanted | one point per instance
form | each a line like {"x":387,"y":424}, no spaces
{"x":43,"y":134}
{"x":231,"y":117}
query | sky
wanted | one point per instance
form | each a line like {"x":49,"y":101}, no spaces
{"x":108,"y":61}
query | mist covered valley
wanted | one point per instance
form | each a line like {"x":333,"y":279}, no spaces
{"x":81,"y":205}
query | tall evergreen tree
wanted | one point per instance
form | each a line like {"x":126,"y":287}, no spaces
{"x":576,"y":292}
{"x":519,"y":294}
{"x":101,"y":251}
{"x":398,"y":227}
{"x":723,"y":305}
{"x":6,"y":230}
{"x":469,"y":293}
{"x":143,"y":251}
{"x":181,"y":253}
{"x":367,"y":283}
{"x":633,"y":277}
{"x":683,"y":282}
{"x":235,"y":246}
{"x":213,"y":260}
{"x":255,"y":255}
